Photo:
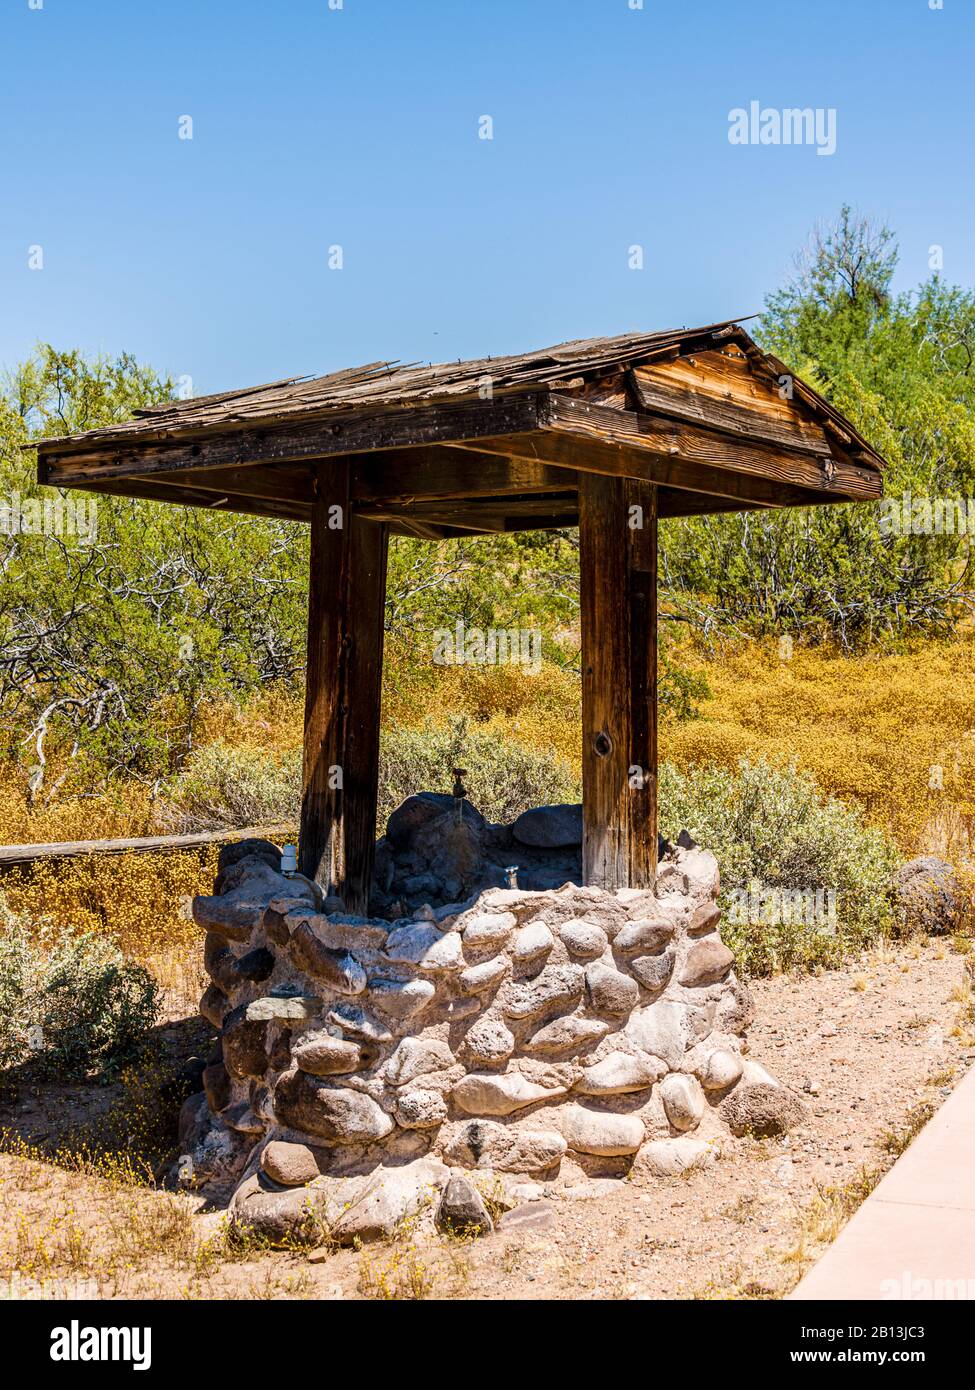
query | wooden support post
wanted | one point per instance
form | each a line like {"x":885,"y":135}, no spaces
{"x":618,"y":593}
{"x":346,"y":597}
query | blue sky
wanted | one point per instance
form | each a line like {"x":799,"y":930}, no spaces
{"x":358,"y":127}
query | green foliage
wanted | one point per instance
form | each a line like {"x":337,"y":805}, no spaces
{"x":71,"y":1003}
{"x":900,"y":369}
{"x":774,"y":833}
{"x":518,"y":579}
{"x":840,"y":289}
{"x":227,"y":785}
{"x":504,"y":778}
{"x":113,"y":637}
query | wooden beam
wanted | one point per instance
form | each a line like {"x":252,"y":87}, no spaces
{"x":279,"y":482}
{"x":387,"y":476}
{"x":482,"y":513}
{"x":672,"y":503}
{"x":26,"y":856}
{"x":424,"y":530}
{"x":346,"y":597}
{"x":62,"y":464}
{"x":614,"y":461}
{"x":760,"y":417}
{"x":697,"y":448}
{"x":620,"y":443}
{"x":426,"y":522}
{"x":151,"y":490}
{"x":618,"y":602}
{"x":436,"y":473}
{"x":677,"y":502}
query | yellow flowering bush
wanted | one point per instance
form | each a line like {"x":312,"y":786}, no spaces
{"x":894,"y":734}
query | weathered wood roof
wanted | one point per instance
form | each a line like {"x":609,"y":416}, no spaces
{"x":395,"y":383}
{"x":398,"y":383}
{"x":696,"y":410}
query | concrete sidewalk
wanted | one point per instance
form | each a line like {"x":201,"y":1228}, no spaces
{"x":914,"y":1236}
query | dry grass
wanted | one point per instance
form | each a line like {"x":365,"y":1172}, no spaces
{"x":92,"y":1223}
{"x":896,"y":1141}
{"x":141,"y":901}
{"x":411,"y":1267}
{"x":117,"y":812}
{"x":894,"y":733}
{"x":964,"y":996}
{"x":91,"y":1226}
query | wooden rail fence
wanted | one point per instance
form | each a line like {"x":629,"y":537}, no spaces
{"x":23,"y":856}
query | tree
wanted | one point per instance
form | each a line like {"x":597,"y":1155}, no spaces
{"x":900,"y":367}
{"x":113,"y":633}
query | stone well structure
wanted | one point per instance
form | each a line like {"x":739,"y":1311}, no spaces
{"x":536,"y":1034}
{"x":533,"y":1031}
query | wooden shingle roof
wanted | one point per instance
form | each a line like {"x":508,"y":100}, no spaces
{"x":693,"y":409}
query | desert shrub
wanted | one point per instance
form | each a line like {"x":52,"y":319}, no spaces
{"x":783,"y":848}
{"x":140,"y":901}
{"x":503,"y":778}
{"x":71,"y":1003}
{"x":16,"y":964}
{"x":892,"y":734}
{"x":236,"y":786}
{"x":241,"y":786}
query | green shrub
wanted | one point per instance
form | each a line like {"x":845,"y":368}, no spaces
{"x":235,"y":787}
{"x":71,"y":1005}
{"x":226,"y":786}
{"x":779,"y":842}
{"x":503,"y":778}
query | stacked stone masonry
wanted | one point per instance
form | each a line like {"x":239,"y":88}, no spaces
{"x":365,"y":1065}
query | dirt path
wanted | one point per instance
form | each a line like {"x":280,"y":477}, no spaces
{"x":869,"y":1047}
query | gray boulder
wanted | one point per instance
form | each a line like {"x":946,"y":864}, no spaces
{"x":389,"y":1198}
{"x":231,"y":855}
{"x":462,"y":1209}
{"x":281,"y":1216}
{"x":929,"y":897}
{"x":762,"y":1110}
{"x":415,"y":812}
{"x":549,"y":827}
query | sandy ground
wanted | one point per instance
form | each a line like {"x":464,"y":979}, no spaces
{"x":866,"y":1047}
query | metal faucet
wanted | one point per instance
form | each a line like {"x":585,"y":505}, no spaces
{"x":460,"y":792}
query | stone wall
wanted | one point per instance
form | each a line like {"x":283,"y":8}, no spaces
{"x":542,"y":1035}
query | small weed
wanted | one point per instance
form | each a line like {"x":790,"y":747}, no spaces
{"x":896,"y":1141}
{"x":942,"y":1078}
{"x":827,"y":1214}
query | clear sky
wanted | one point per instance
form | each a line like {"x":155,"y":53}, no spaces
{"x":358,"y":127}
